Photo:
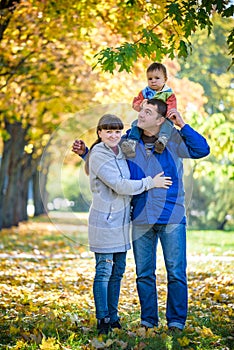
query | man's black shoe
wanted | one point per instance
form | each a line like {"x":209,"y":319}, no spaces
{"x":116,"y":324}
{"x":103,"y":326}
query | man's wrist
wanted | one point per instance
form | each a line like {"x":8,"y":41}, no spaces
{"x":182,"y":125}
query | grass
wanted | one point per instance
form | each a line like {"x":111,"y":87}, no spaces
{"x":46,"y":299}
{"x":211,"y":242}
{"x":199,"y":242}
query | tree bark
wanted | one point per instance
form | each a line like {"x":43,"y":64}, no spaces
{"x":4,"y":175}
{"x":11,"y":197}
{"x":40,"y":194}
{"x":221,"y":225}
{"x":7,"y":8}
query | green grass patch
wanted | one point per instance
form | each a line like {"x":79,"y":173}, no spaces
{"x":210,"y":242}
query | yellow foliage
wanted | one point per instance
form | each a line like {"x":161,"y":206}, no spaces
{"x":109,"y":342}
{"x":206,"y":332}
{"x":14,"y":330}
{"x":183,"y":341}
{"x":19,"y":345}
{"x":33,"y":297}
{"x":49,"y":344}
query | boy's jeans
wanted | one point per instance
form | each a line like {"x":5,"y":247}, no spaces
{"x":110,"y":268}
{"x":173,"y":241}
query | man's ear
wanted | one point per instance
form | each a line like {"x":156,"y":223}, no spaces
{"x":161,"y":120}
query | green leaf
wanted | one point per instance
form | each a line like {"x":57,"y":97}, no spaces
{"x":229,"y":12}
{"x":105,"y":58}
{"x":183,"y":51}
{"x":174,"y":11}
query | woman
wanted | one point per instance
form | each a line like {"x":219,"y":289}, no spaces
{"x":109,"y":216}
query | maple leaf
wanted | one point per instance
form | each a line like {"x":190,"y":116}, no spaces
{"x":206,"y":332}
{"x":19,"y":345}
{"x":49,"y":344}
{"x":183,"y":341}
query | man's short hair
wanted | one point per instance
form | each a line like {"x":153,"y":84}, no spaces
{"x":162,"y":106}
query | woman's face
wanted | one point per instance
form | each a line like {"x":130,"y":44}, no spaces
{"x":110,"y":137}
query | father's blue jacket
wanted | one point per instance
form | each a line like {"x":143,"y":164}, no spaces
{"x":163,"y":206}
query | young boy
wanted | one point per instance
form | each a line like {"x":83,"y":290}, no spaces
{"x":157,"y":76}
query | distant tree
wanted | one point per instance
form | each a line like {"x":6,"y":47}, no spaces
{"x":207,"y":66}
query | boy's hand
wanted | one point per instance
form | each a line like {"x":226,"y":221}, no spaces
{"x":143,"y":102}
{"x":175,"y":117}
{"x":79,"y":147}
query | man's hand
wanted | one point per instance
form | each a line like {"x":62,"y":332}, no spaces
{"x":79,"y":147}
{"x":176,"y":118}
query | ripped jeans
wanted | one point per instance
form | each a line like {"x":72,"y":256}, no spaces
{"x":110,"y":268}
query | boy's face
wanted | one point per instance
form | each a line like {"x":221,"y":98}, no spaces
{"x":156,"y":80}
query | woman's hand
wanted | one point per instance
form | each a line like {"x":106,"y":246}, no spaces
{"x":162,"y":181}
{"x":79,"y":147}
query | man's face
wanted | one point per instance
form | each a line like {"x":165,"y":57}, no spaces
{"x":148,"y":118}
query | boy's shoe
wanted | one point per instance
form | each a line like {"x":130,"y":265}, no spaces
{"x":103,"y":326}
{"x":128,"y":148}
{"x":116,"y":324}
{"x":160,"y":144}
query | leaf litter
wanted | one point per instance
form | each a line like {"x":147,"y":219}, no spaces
{"x":46,"y":299}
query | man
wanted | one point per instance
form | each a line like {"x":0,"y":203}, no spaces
{"x":159,"y":214}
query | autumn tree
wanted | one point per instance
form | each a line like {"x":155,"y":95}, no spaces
{"x":47,"y":51}
{"x":164,"y":29}
{"x":41,"y":79}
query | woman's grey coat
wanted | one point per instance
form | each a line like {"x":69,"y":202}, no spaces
{"x":109,"y":214}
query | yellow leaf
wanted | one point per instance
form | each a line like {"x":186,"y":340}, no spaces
{"x":19,"y":345}
{"x":183,"y":341}
{"x":49,"y":344}
{"x":14,"y":330}
{"x":109,"y":342}
{"x":206,"y":332}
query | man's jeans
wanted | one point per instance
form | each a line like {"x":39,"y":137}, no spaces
{"x":173,"y":241}
{"x":106,"y":288}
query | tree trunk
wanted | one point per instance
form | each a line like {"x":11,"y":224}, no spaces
{"x":11,"y":198}
{"x":9,"y":5}
{"x":26,"y":175}
{"x":40,"y":195}
{"x":222,"y":224}
{"x":4,"y":175}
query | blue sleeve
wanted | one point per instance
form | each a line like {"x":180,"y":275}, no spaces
{"x":84,"y":156}
{"x":193,"y":145}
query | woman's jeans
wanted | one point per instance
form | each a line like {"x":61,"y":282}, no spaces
{"x":106,"y":288}
{"x":173,"y":241}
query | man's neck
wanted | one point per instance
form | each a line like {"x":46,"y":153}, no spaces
{"x":151,"y":132}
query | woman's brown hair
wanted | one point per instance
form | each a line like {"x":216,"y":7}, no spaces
{"x":106,"y":122}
